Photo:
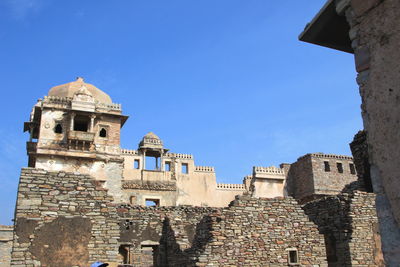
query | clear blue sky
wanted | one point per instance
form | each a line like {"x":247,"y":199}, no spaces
{"x":225,"y":80}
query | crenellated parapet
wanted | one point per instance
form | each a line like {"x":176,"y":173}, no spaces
{"x":239,"y":187}
{"x":178,"y":155}
{"x":204,"y":169}
{"x":129,"y":152}
{"x":268,"y":170}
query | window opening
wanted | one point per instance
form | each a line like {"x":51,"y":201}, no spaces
{"x":330,"y":246}
{"x":103,"y":132}
{"x":150,"y":256}
{"x":136,"y":164}
{"x":58,"y":128}
{"x":167,"y":166}
{"x":185,"y":168}
{"x":152,"y":163}
{"x":326,"y":166}
{"x":352,"y":168}
{"x":339,"y":167}
{"x":152,"y":202}
{"x":124,"y":252}
{"x":293,"y":259}
{"x":81,"y":123}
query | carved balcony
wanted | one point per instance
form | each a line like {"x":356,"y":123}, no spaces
{"x":81,"y":136}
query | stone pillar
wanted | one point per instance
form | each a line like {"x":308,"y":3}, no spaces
{"x":72,"y":121}
{"x":92,"y":117}
{"x":161,"y":161}
{"x":144,"y":160}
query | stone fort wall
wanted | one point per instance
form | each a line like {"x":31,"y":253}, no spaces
{"x":65,"y":219}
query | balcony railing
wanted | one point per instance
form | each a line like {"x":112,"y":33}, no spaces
{"x":81,"y":136}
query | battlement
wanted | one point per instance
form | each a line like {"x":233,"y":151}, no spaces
{"x":179,"y":156}
{"x":204,"y":169}
{"x":327,"y":156}
{"x":268,"y":170}
{"x":239,"y":187}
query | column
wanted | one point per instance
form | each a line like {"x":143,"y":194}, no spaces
{"x":144,"y":160}
{"x":92,"y":117}
{"x":161,"y":160}
{"x":72,"y":121}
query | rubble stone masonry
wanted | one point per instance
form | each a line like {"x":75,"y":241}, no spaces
{"x":6,"y":237}
{"x":350,"y":226}
{"x":64,"y":219}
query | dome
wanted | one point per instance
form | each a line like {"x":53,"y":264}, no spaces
{"x":69,"y":89}
{"x":151,"y":140}
{"x":151,"y":135}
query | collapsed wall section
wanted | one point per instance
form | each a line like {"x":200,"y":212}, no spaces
{"x":63,"y":219}
{"x":350,"y":226}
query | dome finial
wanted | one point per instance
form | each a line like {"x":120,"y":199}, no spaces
{"x":80,"y":79}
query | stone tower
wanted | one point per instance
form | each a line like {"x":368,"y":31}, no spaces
{"x":76,"y":128}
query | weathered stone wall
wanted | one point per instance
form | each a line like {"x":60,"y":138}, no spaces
{"x":359,"y":149}
{"x":299,"y":179}
{"x":350,"y":226}
{"x":308,"y":179}
{"x":63,"y":219}
{"x":6,"y":237}
{"x":259,"y":232}
{"x":333,"y":181}
{"x":251,"y":232}
{"x":375,"y":36}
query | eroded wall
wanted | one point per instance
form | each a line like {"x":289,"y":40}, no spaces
{"x":251,"y":232}
{"x":63,"y":219}
{"x":375,"y":36}
{"x":350,"y":226}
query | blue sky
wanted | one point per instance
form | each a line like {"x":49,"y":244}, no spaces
{"x":225,"y":80}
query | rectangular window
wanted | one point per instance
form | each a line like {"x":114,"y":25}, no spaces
{"x":326,"y":166}
{"x":185,"y":168}
{"x":152,"y":202}
{"x":339,"y":167}
{"x":167,"y":166}
{"x":352,"y":168}
{"x":292,"y":256}
{"x":136,"y":164}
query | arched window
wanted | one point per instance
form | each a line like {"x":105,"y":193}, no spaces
{"x":58,"y":128}
{"x":103,"y":132}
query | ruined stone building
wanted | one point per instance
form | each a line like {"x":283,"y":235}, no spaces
{"x":370,"y":30}
{"x":83,"y":199}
